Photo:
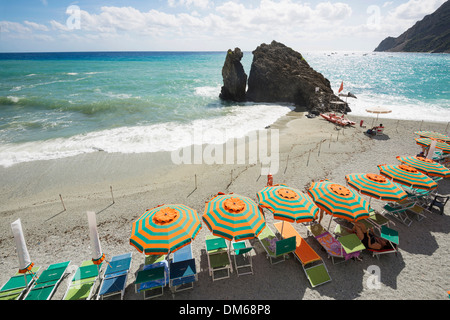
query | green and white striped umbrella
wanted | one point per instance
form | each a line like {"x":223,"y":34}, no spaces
{"x":408,"y":176}
{"x":426,"y":166}
{"x":232,"y":216}
{"x":434,"y":135}
{"x":288,"y":204}
{"x":376,"y":186}
{"x":339,"y":201}
{"x":165,"y":229}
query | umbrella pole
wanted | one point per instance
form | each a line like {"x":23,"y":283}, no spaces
{"x":329,"y":224}
{"x":229,"y":257}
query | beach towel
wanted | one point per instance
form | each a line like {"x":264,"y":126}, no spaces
{"x":334,"y":247}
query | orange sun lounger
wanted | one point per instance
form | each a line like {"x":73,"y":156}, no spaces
{"x":312,"y":263}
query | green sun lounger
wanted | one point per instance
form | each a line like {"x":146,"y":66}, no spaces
{"x":218,"y":257}
{"x":45,"y":286}
{"x":242,"y":258}
{"x":276,"y":249}
{"x":17,"y":285}
{"x":82,"y":284}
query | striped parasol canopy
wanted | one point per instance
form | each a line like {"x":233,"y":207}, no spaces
{"x":287,"y":204}
{"x":232,"y":216}
{"x":426,"y":142}
{"x":376,"y":186}
{"x":408,"y":176}
{"x":338,"y":200}
{"x":426,"y":166}
{"x":433,"y":135}
{"x":165,"y":229}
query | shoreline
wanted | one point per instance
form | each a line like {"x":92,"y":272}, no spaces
{"x":309,"y":149}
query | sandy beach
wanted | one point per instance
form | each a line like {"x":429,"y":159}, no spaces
{"x":310,"y":149}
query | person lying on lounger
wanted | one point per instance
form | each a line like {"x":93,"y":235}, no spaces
{"x":369,"y":239}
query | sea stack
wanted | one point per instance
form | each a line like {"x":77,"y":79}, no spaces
{"x":280,"y":74}
{"x":234,"y":77}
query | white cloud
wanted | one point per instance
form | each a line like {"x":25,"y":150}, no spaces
{"x":36,"y":26}
{"x":416,"y":9}
{"x":203,"y":4}
{"x":14,"y":27}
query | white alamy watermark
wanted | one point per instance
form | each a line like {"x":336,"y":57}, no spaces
{"x":374,"y":20}
{"x":73,"y":22}
{"x":261,"y":146}
{"x":373,"y":282}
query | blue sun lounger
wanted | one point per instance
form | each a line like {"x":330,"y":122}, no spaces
{"x":183,"y":272}
{"x":152,"y":279}
{"x":115,"y":276}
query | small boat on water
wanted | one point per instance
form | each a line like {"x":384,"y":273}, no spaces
{"x":340,"y":120}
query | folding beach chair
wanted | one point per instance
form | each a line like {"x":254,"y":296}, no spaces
{"x":345,"y":247}
{"x":276,"y":249}
{"x":183,"y":272}
{"x":115,"y":277}
{"x":153,"y":278}
{"x":45,"y":286}
{"x":83,"y":281}
{"x":391,"y":236}
{"x":398,"y":211}
{"x":242,"y":258}
{"x":18,"y":284}
{"x":315,"y":270}
{"x":439,"y":202}
{"x":218,"y":257}
{"x":377,"y":219}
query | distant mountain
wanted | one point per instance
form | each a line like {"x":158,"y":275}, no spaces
{"x":431,"y":34}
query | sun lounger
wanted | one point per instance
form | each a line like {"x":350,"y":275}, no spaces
{"x":47,"y":282}
{"x":18,"y":284}
{"x":315,"y":270}
{"x":392,"y":237}
{"x":276,"y":249}
{"x":183,"y":272}
{"x":218,"y":257}
{"x":242,"y":258}
{"x":152,"y":279}
{"x":398,"y":210}
{"x":344,"y":247}
{"x":83,"y":281}
{"x":115,"y":277}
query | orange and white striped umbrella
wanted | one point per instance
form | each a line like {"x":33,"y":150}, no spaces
{"x":232,"y":216}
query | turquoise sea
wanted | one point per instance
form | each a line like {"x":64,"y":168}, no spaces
{"x":54,"y":105}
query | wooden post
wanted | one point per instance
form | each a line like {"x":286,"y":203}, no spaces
{"x":320,"y":144}
{"x":287,"y":161}
{"x":112,"y":196}
{"x":446,"y":128}
{"x":62,"y":202}
{"x":329,"y":143}
{"x":307,"y":163}
{"x":420,"y":129}
{"x":195,"y":176}
{"x":397,"y":125}
{"x":337,"y":139}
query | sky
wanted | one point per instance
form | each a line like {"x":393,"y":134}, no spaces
{"x":204,"y":25}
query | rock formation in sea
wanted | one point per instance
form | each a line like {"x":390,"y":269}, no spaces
{"x":431,"y":34}
{"x":234,"y":77}
{"x":279,"y":74}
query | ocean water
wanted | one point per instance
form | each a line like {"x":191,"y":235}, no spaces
{"x":55,"y":105}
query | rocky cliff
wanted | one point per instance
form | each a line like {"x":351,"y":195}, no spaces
{"x":234,"y":77}
{"x":279,"y":74}
{"x":431,"y":34}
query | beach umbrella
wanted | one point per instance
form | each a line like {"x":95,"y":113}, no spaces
{"x":408,"y":176}
{"x":338,"y":200}
{"x":378,"y":111}
{"x":287,"y":204}
{"x":97,"y":255}
{"x":165,"y":229}
{"x":25,"y":264}
{"x":426,"y":142}
{"x":426,"y":166}
{"x":375,"y":186}
{"x":232,"y":216}
{"x":433,"y":135}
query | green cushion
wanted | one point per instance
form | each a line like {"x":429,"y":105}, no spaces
{"x":351,"y":243}
{"x":285,"y":246}
{"x":389,"y":234}
{"x":79,"y":292}
{"x":85,"y":272}
{"x":219,"y":260}
{"x":215,"y":243}
{"x":40,"y":293}
{"x":317,"y":275}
